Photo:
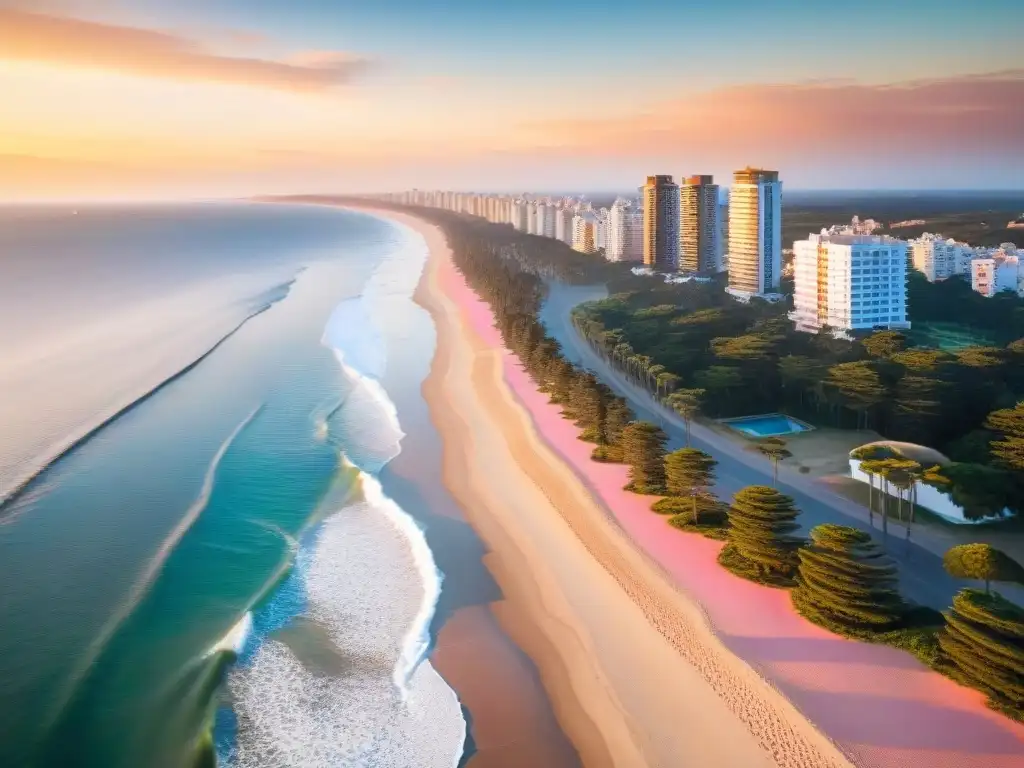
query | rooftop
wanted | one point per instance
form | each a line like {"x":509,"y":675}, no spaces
{"x":846,"y":239}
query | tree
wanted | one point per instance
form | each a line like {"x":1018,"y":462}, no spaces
{"x":690,"y":473}
{"x":846,"y":579}
{"x":867,"y":454}
{"x":1008,"y":423}
{"x":884,"y":469}
{"x":885,"y":343}
{"x":617,"y":416}
{"x":982,"y":645}
{"x":982,"y":562}
{"x":686,"y":402}
{"x":643,"y":449}
{"x":859,"y":385}
{"x":798,"y":373}
{"x":774,"y":449}
{"x":667,"y":382}
{"x":761,"y":543}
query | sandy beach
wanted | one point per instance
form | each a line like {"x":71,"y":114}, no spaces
{"x":591,"y":611}
{"x":650,"y":653}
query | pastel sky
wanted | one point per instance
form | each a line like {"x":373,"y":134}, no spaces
{"x":206,"y":98}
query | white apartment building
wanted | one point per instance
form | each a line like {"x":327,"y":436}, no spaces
{"x":519,"y":215}
{"x":755,"y":234}
{"x":550,"y":211}
{"x":996,"y":273}
{"x":849,"y":282}
{"x":531,"y":217}
{"x":540,"y":218}
{"x":601,"y":229}
{"x":625,"y":232}
{"x":938,"y":258}
{"x":584,"y":232}
{"x":564,"y":222}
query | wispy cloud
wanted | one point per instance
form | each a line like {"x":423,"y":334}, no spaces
{"x":37,"y":37}
{"x":982,"y":114}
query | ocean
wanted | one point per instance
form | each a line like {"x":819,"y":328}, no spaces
{"x":211,"y":548}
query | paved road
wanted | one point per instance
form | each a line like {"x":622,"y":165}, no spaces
{"x":922,"y":577}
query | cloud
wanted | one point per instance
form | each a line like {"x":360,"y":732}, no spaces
{"x":75,"y":42}
{"x":828,"y":121}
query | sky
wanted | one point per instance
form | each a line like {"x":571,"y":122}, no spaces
{"x":158,"y":99}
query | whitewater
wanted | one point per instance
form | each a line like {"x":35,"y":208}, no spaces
{"x":368,"y":585}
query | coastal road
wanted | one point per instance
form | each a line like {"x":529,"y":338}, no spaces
{"x":922,"y":577}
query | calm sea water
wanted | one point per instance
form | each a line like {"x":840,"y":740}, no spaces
{"x":243,"y":508}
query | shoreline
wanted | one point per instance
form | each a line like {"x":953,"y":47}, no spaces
{"x":621,"y":690}
{"x":859,"y":694}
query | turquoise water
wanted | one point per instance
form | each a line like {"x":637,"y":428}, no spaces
{"x":771,"y":425}
{"x":131,"y":567}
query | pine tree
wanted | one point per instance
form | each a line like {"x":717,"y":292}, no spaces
{"x":686,"y":402}
{"x":775,"y":450}
{"x":982,"y":646}
{"x":761,"y":545}
{"x":982,"y":562}
{"x":643,"y":449}
{"x":1009,"y":423}
{"x":690,"y":473}
{"x":846,"y":582}
{"x":617,"y":415}
{"x":588,"y":406}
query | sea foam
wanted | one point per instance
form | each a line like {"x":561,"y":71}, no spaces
{"x":371,"y":588}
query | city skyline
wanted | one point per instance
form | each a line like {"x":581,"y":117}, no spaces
{"x":117,"y":99}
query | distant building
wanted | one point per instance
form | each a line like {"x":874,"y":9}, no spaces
{"x":550,"y":211}
{"x":601,"y":229}
{"x":661,"y":223}
{"x":996,"y":273}
{"x":755,"y":233}
{"x":584,"y":232}
{"x":625,"y":232}
{"x":938,"y":258}
{"x":520,"y":215}
{"x":700,"y":236}
{"x":563,"y":223}
{"x":849,"y":282}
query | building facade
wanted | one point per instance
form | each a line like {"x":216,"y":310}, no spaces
{"x":661,"y":223}
{"x":755,"y":233}
{"x":625,"y":232}
{"x":994,"y":274}
{"x":584,"y":232}
{"x":938,"y":258}
{"x":700,"y":229}
{"x":849,"y":282}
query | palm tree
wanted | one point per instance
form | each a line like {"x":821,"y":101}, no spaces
{"x":668,"y":381}
{"x":868,"y":456}
{"x":774,"y":449}
{"x":686,"y":402}
{"x":653,"y":372}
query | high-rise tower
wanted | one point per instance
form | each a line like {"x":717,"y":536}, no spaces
{"x":700,"y":242}
{"x":755,"y":233}
{"x":661,"y":223}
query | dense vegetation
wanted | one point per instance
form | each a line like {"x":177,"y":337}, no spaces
{"x":842,"y":579}
{"x":745,"y":359}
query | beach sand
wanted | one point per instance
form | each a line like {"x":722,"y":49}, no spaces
{"x":650,"y":653}
{"x":588,"y":608}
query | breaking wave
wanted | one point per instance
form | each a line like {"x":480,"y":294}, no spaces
{"x":346,"y":681}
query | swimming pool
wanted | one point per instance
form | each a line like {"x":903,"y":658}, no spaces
{"x":768,"y":425}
